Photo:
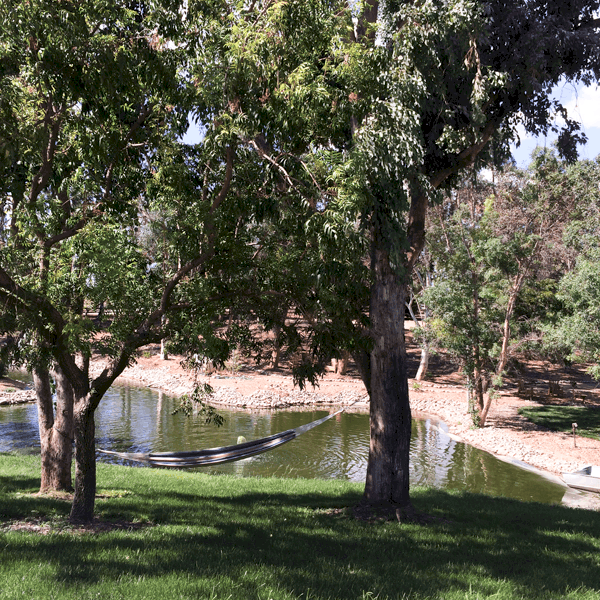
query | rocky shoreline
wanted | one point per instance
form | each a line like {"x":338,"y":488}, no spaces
{"x":15,"y":392}
{"x":16,"y":397}
{"x":507,"y":434}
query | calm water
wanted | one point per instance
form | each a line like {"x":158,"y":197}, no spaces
{"x":141,"y":420}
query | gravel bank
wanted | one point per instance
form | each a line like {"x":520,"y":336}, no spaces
{"x":507,"y":433}
{"x":17,"y":397}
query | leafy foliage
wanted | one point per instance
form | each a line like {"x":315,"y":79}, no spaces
{"x":326,"y":130}
{"x":501,"y":267}
{"x":195,"y":404}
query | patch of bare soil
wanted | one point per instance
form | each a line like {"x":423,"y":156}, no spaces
{"x":374,"y":514}
{"x":46,"y":526}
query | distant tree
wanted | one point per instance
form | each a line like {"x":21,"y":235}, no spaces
{"x":469,"y":266}
{"x":492,"y":247}
{"x":574,"y":334}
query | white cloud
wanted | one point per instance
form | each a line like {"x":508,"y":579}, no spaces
{"x":523,"y":134}
{"x":582,"y":104}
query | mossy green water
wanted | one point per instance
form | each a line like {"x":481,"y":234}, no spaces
{"x":219,"y":537}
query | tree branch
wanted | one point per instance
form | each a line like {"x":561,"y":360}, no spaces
{"x":593,"y":24}
{"x":33,"y":303}
{"x":108,"y":178}
{"x":53,"y":121}
{"x":66,"y":233}
{"x":465,"y":158}
{"x":227,"y":181}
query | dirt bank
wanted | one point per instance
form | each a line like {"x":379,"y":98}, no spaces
{"x":14,"y":392}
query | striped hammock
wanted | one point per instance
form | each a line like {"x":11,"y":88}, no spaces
{"x":216,"y":456}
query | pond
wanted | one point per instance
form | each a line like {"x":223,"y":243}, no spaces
{"x":141,"y":420}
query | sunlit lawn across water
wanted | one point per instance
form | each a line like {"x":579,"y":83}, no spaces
{"x":561,"y":418}
{"x":200,"y":536}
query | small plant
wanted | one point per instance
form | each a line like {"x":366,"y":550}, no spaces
{"x":10,"y":390}
{"x":234,"y":364}
{"x":416,"y":386}
{"x":147,"y":354}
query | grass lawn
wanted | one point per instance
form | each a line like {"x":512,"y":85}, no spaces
{"x":218,"y":537}
{"x":561,"y":418}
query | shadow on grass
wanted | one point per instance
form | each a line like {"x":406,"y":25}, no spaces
{"x":251,"y":536}
{"x":18,"y":483}
{"x":561,"y":418}
{"x":18,"y":499}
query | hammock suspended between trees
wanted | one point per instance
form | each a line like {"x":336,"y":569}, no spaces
{"x":215,"y":456}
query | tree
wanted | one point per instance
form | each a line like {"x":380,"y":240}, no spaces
{"x":483,"y":248}
{"x":489,"y":246}
{"x":455,"y":78}
{"x":92,"y":165}
{"x":81,"y":120}
{"x":574,"y":334}
{"x":344,"y":133}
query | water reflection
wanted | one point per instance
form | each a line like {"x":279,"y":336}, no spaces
{"x":141,"y":420}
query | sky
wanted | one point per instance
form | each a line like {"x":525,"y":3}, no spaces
{"x":583,"y":105}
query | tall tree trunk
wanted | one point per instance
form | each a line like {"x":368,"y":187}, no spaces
{"x":510,"y":308}
{"x":82,"y":509}
{"x":478,"y":390}
{"x":56,"y":430}
{"x":424,"y":363}
{"x":477,"y":366}
{"x":486,"y":409}
{"x":340,"y":365}
{"x":425,"y":346}
{"x":387,"y":481}
{"x":503,"y":359}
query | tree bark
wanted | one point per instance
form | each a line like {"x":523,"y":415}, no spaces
{"x":340,"y":365}
{"x":82,"y":509}
{"x":510,"y":308}
{"x":56,"y":430}
{"x":424,"y":363}
{"x":276,"y":353}
{"x":503,"y":360}
{"x":387,"y":481}
{"x":426,"y":282}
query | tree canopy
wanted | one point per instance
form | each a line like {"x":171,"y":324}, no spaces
{"x":328,"y":128}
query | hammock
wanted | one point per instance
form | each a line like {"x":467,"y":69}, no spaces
{"x":215,"y":456}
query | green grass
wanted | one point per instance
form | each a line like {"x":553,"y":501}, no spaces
{"x":218,"y":537}
{"x":561,"y":418}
